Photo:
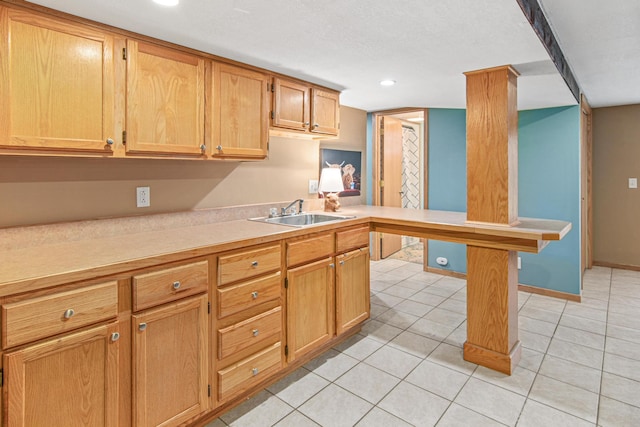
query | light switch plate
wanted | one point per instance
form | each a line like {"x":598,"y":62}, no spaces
{"x":313,"y":186}
{"x":633,"y":182}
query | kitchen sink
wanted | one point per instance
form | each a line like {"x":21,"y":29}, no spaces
{"x":302,"y":220}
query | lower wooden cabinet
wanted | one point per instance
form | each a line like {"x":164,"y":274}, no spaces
{"x":240,"y":376}
{"x":66,"y":381}
{"x":179,"y":360}
{"x":352,"y":289}
{"x":170,"y":363}
{"x":310,"y":307}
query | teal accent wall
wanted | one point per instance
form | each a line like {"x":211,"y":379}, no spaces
{"x":549,"y":187}
{"x":447,"y":172}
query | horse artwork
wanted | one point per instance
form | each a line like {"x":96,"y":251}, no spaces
{"x":349,"y":163}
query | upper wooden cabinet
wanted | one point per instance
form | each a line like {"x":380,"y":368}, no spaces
{"x":56,"y":85}
{"x":73,"y":88}
{"x":165,"y":100}
{"x":240,"y":112}
{"x":325,"y":112}
{"x":300,"y":107}
{"x":291,"y":106}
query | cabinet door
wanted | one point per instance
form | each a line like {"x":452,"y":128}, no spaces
{"x":290,"y":105}
{"x":325,"y":112}
{"x":170,"y":363}
{"x":352,"y":289}
{"x":165,"y":100}
{"x":67,"y":381}
{"x":241,"y":123}
{"x":310,"y":307}
{"x":56,"y":85}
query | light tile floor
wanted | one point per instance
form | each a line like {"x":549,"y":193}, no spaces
{"x":580,"y":363}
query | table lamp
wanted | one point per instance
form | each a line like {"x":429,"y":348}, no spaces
{"x":331,"y":182}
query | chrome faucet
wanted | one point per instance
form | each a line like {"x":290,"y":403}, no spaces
{"x":283,"y":211}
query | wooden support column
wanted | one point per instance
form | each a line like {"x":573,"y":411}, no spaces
{"x":492,"y":198}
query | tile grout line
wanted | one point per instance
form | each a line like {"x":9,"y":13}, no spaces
{"x":604,"y":352}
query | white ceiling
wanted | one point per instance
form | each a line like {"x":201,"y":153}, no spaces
{"x":351,"y":45}
{"x":601,"y":42}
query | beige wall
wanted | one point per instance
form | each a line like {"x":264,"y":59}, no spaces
{"x":616,"y":208}
{"x":47,"y":190}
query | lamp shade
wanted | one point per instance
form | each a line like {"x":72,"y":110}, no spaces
{"x":330,"y":181}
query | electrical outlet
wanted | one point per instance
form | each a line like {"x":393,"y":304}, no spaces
{"x":143,"y":197}
{"x":633,"y":182}
{"x":519,"y":263}
{"x":313,"y":186}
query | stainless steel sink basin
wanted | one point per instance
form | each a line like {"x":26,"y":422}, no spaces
{"x":302,"y":220}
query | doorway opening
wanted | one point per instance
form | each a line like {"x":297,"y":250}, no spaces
{"x":400,"y":176}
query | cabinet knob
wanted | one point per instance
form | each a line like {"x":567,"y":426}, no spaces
{"x":254,"y":264}
{"x":219,"y":148}
{"x":115,"y":336}
{"x":69,"y":313}
{"x":109,"y":141}
{"x":255,"y":371}
{"x":255,"y":332}
{"x":315,"y":125}
{"x":332,"y":265}
{"x":254,"y":295}
{"x":342,"y":262}
{"x":176,"y":285}
{"x":203,"y":147}
{"x":306,"y":123}
{"x":142,"y":326}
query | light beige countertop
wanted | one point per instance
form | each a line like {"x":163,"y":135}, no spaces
{"x":27,"y":268}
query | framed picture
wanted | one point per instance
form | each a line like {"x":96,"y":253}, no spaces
{"x":350,"y":164}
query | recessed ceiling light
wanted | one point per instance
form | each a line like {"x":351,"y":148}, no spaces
{"x":167,"y":2}
{"x":387,"y":82}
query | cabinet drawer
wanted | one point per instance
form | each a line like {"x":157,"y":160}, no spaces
{"x":158,"y":287}
{"x":300,"y":251}
{"x":44,"y":316}
{"x":249,"y":371}
{"x":352,"y":239}
{"x":249,"y":332}
{"x":236,"y":298}
{"x":246,"y":264}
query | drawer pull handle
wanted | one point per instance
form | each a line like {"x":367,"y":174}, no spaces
{"x":254,"y":264}
{"x":255,"y":332}
{"x":176,"y":285}
{"x":115,"y":336}
{"x":142,"y":326}
{"x":255,"y":371}
{"x":69,"y":313}
{"x":254,"y":295}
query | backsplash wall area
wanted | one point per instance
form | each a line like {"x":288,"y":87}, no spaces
{"x":42,"y":190}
